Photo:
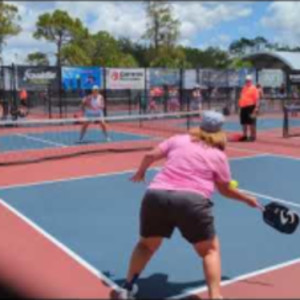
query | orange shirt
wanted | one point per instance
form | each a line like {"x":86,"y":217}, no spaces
{"x":23,"y":95}
{"x":249,"y":96}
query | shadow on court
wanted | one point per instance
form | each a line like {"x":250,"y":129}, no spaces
{"x":158,"y":286}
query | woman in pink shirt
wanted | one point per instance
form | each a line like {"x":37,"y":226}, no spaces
{"x":179,"y":196}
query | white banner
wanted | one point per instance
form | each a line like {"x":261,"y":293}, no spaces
{"x":271,"y":77}
{"x":8,"y":80}
{"x":190,"y":79}
{"x":125,"y":79}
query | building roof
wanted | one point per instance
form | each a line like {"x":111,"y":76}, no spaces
{"x":290,"y":59}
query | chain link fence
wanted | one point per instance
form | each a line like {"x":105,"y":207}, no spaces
{"x":54,"y":92}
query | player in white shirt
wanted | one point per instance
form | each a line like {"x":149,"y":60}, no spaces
{"x":93,"y":106}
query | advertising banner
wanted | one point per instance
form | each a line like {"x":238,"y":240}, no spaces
{"x":190,"y":79}
{"x":125,"y":79}
{"x":233,"y":78}
{"x":35,"y":78}
{"x":294,"y":77}
{"x":271,"y":77}
{"x":81,"y":78}
{"x":161,"y":77}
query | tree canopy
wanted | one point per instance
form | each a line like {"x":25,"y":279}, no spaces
{"x":38,"y":59}
{"x":9,"y":23}
{"x":60,"y":28}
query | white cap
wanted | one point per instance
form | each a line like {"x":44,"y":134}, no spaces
{"x":249,"y":78}
{"x":212,"y":121}
{"x":95,"y":87}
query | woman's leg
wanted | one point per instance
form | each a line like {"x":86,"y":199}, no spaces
{"x":83,"y":130}
{"x":210,"y":252}
{"x":141,"y":255}
{"x":104,"y":128}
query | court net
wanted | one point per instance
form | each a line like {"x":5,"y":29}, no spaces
{"x":291,"y":120}
{"x":38,"y":140}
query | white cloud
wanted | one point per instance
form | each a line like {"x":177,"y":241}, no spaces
{"x":121,"y":19}
{"x":283,"y":18}
{"x":118,"y":18}
{"x":197,"y":17}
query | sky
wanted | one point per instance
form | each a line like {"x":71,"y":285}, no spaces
{"x":203,"y":24}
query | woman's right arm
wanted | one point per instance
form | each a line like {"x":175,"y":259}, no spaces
{"x":235,"y":194}
{"x":148,"y":159}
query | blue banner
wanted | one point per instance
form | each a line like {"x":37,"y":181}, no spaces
{"x":81,"y":78}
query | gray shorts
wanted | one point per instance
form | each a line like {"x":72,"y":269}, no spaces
{"x":162,"y":211}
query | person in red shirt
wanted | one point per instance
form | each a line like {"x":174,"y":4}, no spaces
{"x":23,"y":97}
{"x":249,"y":103}
{"x":24,"y":108}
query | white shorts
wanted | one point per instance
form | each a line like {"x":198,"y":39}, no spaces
{"x":94,"y":113}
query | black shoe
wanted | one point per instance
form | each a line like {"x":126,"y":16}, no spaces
{"x":252,"y":139}
{"x":243,"y":139}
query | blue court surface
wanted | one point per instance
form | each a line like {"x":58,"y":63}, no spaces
{"x":26,"y":141}
{"x":100,"y":223}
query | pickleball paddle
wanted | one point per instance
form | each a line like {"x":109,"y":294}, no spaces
{"x":280,"y":218}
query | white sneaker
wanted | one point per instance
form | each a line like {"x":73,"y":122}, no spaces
{"x":108,"y":139}
{"x":124,"y":294}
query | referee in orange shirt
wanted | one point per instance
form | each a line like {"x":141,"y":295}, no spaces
{"x":249,"y":103}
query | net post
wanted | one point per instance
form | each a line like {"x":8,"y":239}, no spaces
{"x":285,"y":122}
{"x":188,"y":122}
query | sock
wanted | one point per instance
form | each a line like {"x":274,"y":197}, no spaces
{"x":128,"y":285}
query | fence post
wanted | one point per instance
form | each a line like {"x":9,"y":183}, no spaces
{"x":14,"y":109}
{"x":104,"y":91}
{"x":59,"y":73}
{"x":129,"y":101}
{"x":181,"y":88}
{"x":144,"y":104}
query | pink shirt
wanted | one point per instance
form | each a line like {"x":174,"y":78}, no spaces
{"x":191,"y":166}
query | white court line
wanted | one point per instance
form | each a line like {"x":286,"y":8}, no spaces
{"x":266,"y":153}
{"x":240,"y":278}
{"x":40,"y":140}
{"x":104,"y":175}
{"x":61,"y":246}
{"x":271,"y":198}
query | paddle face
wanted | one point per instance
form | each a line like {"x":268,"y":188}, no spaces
{"x":280,"y":218}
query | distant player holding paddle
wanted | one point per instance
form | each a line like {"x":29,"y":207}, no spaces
{"x":180,"y":197}
{"x":93,"y":106}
